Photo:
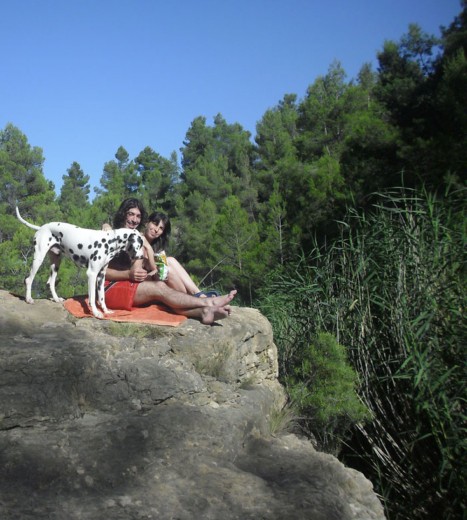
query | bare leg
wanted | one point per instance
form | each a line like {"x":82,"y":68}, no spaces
{"x":156,"y":291}
{"x":207,"y":310}
{"x":179,"y":279}
{"x":207,"y":315}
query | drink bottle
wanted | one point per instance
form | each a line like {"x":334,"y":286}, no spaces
{"x":162,"y":266}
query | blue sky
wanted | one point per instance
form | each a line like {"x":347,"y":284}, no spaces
{"x":81,"y":78}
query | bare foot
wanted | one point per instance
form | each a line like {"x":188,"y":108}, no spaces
{"x":211,"y":314}
{"x":222,"y":301}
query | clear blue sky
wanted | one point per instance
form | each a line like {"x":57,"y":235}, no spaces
{"x":81,"y":78}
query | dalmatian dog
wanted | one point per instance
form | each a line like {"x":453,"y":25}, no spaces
{"x":87,"y":248}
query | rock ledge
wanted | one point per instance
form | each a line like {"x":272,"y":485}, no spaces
{"x":101,"y":420}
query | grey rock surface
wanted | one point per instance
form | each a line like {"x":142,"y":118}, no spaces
{"x":100,"y":420}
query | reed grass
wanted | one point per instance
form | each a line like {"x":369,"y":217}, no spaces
{"x":391,"y":288}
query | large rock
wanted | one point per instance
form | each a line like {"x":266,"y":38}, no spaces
{"x":103,"y":421}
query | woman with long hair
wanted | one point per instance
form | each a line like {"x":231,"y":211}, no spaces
{"x":157,"y":233}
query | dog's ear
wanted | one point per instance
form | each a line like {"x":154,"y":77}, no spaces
{"x":135,"y":245}
{"x":139,"y":246}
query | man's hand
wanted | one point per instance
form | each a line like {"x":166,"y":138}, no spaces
{"x":138,"y":274}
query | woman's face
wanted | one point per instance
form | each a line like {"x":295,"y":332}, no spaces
{"x":154,"y":230}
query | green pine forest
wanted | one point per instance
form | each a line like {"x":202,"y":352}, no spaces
{"x":343,"y":221}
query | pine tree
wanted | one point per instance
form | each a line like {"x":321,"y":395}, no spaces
{"x":217,"y":164}
{"x":74,"y":195}
{"x":158,"y":178}
{"x":22,"y":183}
{"x":234,"y":251}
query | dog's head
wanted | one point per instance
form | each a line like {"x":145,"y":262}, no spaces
{"x":134,"y":245}
{"x":128,"y":240}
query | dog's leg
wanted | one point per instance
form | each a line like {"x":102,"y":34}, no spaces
{"x":55,"y":259}
{"x":92,"y":277}
{"x":39,"y":255}
{"x":101,"y":291}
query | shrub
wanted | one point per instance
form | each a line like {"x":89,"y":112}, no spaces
{"x":323,"y":387}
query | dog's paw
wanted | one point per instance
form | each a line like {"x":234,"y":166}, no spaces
{"x":96,"y":312}
{"x":29,"y":300}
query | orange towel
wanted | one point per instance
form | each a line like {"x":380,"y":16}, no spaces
{"x":151,"y":314}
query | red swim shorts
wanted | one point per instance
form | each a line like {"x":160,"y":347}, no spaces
{"x":120,"y":295}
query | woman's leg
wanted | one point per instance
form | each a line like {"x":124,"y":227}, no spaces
{"x":179,"y":279}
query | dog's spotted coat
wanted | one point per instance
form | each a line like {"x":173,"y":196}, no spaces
{"x":87,"y":248}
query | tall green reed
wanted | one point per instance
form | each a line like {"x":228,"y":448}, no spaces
{"x":391,"y":288}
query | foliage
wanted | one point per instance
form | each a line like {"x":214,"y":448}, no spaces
{"x":283,"y":418}
{"x":120,"y":176}
{"x":300,"y":144}
{"x":407,"y":327}
{"x":423,"y":92}
{"x":74,"y":195}
{"x":323,"y":387}
{"x":158,"y":179}
{"x":22,"y":183}
{"x":234,"y":246}
{"x":216,"y":186}
{"x":392,"y":289}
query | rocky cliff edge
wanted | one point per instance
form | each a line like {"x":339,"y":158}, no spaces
{"x":102,"y":420}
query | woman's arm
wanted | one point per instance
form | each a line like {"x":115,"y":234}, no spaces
{"x":149,"y":255}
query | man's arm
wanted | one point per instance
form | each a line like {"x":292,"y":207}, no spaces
{"x":117,"y":275}
{"x":135,"y":274}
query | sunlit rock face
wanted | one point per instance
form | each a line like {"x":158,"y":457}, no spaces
{"x":102,"y":421}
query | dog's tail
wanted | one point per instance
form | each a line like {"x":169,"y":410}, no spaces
{"x":21,"y":219}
